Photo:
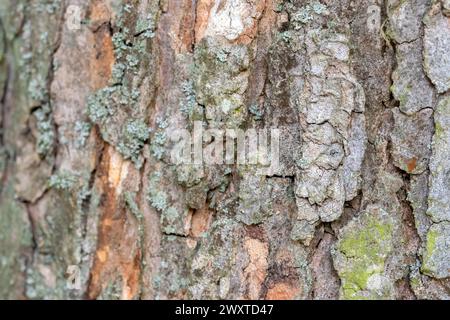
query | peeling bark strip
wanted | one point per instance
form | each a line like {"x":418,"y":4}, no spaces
{"x":92,"y":207}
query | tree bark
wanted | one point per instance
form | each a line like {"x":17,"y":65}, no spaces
{"x":92,"y":205}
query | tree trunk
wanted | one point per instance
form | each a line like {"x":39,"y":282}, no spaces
{"x":93,"y":205}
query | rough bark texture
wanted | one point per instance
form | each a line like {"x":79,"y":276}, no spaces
{"x":358,"y":209}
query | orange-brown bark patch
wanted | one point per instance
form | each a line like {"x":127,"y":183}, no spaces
{"x":200,"y":222}
{"x":256,"y":270}
{"x":117,"y":252}
{"x":282,"y":291}
{"x":203,"y":11}
{"x":411,"y":164}
{"x":103,"y":60}
{"x":251,"y":31}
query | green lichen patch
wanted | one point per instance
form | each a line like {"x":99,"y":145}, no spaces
{"x":169,"y":218}
{"x":134,"y":136}
{"x":172,"y":214}
{"x":158,"y":200}
{"x":45,"y":130}
{"x":307,"y":14}
{"x":98,"y":105}
{"x":436,"y":258}
{"x":37,"y":89}
{"x":256,"y":112}
{"x":113,"y":290}
{"x":63,"y":180}
{"x":438,"y":200}
{"x":82,"y":130}
{"x":220,"y":80}
{"x":360,"y":255}
{"x":158,"y":141}
{"x":112,"y":107}
{"x":189,"y":103}
{"x":146,"y":27}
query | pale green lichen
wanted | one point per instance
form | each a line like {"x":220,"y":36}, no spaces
{"x":98,"y":105}
{"x":112,"y":291}
{"x":36,"y":287}
{"x":430,"y":247}
{"x":222,"y":55}
{"x":256,"y":112}
{"x":146,"y":27}
{"x":439,"y":131}
{"x":168,"y":218}
{"x":160,"y":138}
{"x":132,"y":62}
{"x":37,"y":89}
{"x":438,"y":200}
{"x":82,"y":130}
{"x":112,"y":107}
{"x":117,"y":73}
{"x":46,"y":134}
{"x":171,"y":217}
{"x":158,"y":200}
{"x":188,"y":104}
{"x":158,"y":141}
{"x":120,"y":44}
{"x":362,"y":251}
{"x":286,"y":36}
{"x":162,"y":123}
{"x":306,"y":14}
{"x":279,"y":7}
{"x":302,"y":16}
{"x":436,"y":258}
{"x":62,"y":181}
{"x":214,"y":258}
{"x":302,"y":231}
{"x":135,"y":134}
{"x":49,"y":7}
{"x":217,"y":83}
{"x":318,"y":7}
